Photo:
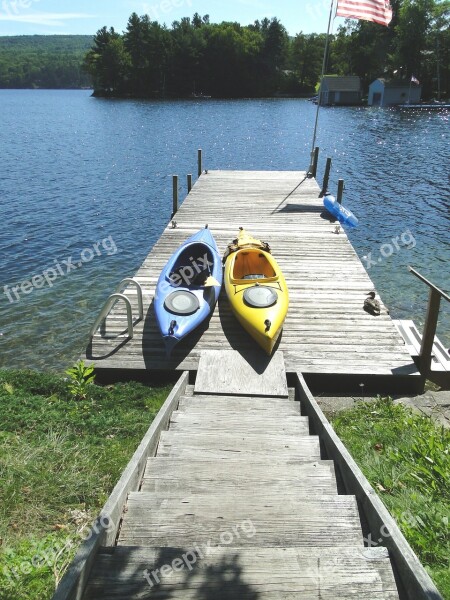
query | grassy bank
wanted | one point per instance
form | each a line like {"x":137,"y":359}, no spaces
{"x":59,"y":459}
{"x":406,"y":458}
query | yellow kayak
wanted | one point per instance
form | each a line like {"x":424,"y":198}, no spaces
{"x":256,"y":289}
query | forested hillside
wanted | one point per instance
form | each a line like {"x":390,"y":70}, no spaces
{"x":41,"y":61}
{"x":231,"y":60}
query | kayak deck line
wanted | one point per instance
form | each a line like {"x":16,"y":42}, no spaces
{"x":327,"y":334}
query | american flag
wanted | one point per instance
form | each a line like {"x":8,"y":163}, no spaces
{"x":377,"y":11}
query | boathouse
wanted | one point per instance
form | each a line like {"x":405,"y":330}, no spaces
{"x":393,"y":92}
{"x":340,"y":91}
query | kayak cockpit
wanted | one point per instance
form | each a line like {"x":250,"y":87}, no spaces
{"x":251,"y":266}
{"x":192,"y":267}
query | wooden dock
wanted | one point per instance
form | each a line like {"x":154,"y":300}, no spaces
{"x":327,"y":335}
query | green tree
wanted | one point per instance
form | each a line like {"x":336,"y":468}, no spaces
{"x":439,"y":47}
{"x":361,"y":48}
{"x":134,"y":40}
{"x":273,"y":57}
{"x":108,"y":62}
{"x":413,"y":28}
{"x":307,"y":58}
{"x":188,"y":68}
{"x":158,"y":52}
{"x":232,"y":54}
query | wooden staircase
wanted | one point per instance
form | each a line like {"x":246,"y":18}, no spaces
{"x":237,"y":504}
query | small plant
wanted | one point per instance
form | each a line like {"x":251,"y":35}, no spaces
{"x":81,"y":377}
{"x":8,"y":388}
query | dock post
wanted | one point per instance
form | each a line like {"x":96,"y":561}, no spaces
{"x":340,"y":192}
{"x":189,"y":183}
{"x":200,"y":163}
{"x":315,"y":161}
{"x":429,"y":331}
{"x":175,"y":195}
{"x":326,"y":178}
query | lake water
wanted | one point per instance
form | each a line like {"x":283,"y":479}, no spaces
{"x":88,"y":181}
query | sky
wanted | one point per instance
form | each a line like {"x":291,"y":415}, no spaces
{"x":29,"y":17}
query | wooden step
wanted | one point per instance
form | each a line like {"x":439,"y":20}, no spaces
{"x":229,"y":372}
{"x":440,"y":360}
{"x":238,"y":403}
{"x":155,"y":520}
{"x":234,"y":422}
{"x":221,"y":411}
{"x":222,"y":445}
{"x":175,"y":476}
{"x":315,"y":573}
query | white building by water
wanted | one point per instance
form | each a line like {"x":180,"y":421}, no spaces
{"x":391,"y":93}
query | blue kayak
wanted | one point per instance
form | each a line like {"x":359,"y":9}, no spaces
{"x":188,"y":287}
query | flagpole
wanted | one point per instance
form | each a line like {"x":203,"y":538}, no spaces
{"x":324,"y":65}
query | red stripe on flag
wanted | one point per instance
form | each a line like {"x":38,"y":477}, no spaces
{"x":377,"y":11}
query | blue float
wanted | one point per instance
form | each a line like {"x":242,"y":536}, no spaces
{"x":342,"y":214}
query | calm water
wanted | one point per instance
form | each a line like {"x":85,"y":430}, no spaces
{"x":90,"y":180}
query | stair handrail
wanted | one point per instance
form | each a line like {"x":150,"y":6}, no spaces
{"x":113,"y":298}
{"x":431,"y":319}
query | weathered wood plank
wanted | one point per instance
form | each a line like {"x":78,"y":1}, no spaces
{"x":228,"y":372}
{"x":175,"y":476}
{"x":218,"y":405}
{"x":352,"y":573}
{"x":316,"y":521}
{"x":229,"y":419}
{"x":212,"y":445}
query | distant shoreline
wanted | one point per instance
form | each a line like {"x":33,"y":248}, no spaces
{"x":135,"y":97}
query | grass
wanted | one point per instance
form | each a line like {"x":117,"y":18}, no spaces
{"x":406,"y":458}
{"x":59,"y":460}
